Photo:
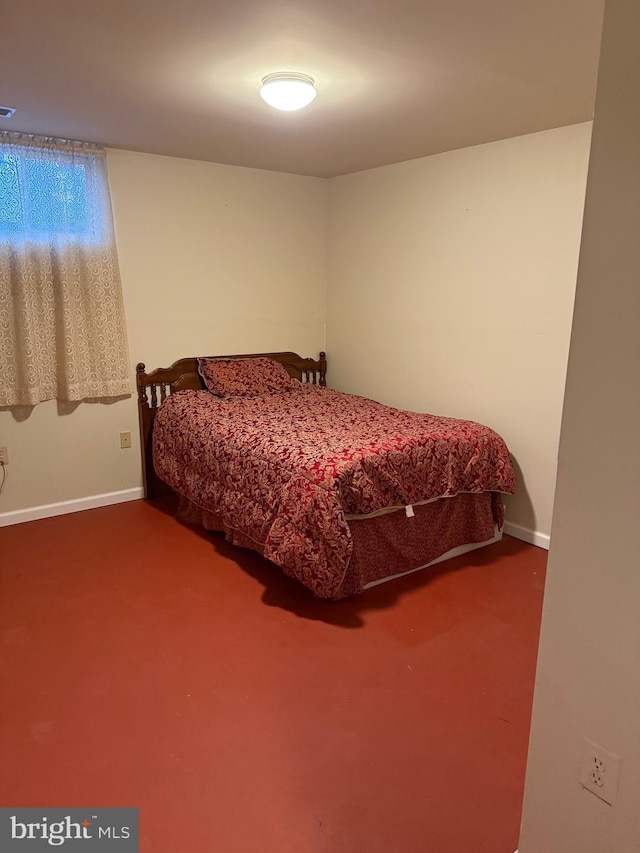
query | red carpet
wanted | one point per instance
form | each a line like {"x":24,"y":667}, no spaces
{"x":147,"y":665}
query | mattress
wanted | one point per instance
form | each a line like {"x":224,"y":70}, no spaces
{"x":291,"y":474}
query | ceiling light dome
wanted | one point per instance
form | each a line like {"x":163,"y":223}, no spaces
{"x":287,"y":90}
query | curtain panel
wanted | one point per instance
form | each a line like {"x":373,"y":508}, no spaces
{"x":62,"y":324}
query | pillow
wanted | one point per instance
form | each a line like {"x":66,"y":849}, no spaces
{"x":243,"y":377}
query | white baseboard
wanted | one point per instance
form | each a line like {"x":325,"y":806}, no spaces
{"x":35,"y":513}
{"x":94,"y":501}
{"x":533,"y":537}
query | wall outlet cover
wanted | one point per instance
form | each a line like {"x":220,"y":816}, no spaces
{"x":599,"y":771}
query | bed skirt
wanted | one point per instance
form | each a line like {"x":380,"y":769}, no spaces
{"x":394,"y":543}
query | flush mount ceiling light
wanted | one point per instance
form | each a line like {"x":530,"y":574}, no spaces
{"x":287,"y":90}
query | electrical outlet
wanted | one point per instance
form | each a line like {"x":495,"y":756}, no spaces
{"x":600,"y":771}
{"x":4,"y":455}
{"x":125,"y":440}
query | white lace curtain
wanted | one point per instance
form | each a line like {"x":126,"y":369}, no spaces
{"x":62,"y":326}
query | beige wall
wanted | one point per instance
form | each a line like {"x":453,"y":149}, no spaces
{"x":451,"y":285}
{"x":588,"y":680}
{"x":214,"y":259}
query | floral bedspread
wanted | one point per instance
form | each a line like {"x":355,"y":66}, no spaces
{"x":284,"y":468}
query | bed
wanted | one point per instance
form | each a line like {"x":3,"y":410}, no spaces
{"x":337,"y":490}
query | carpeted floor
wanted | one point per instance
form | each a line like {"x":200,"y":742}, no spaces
{"x":145,"y":664}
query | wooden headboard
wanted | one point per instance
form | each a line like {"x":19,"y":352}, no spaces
{"x":156,"y":386}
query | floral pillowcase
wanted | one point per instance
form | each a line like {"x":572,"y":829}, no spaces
{"x":243,"y":377}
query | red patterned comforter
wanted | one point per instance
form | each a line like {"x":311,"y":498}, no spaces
{"x":283,"y":469}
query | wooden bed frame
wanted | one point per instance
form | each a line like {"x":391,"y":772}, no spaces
{"x":155,"y":387}
{"x":432,"y":541}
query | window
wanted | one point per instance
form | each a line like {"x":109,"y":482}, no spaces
{"x":61,"y":312}
{"x":43,"y":197}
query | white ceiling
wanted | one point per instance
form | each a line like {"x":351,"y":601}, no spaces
{"x":396,"y":79}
